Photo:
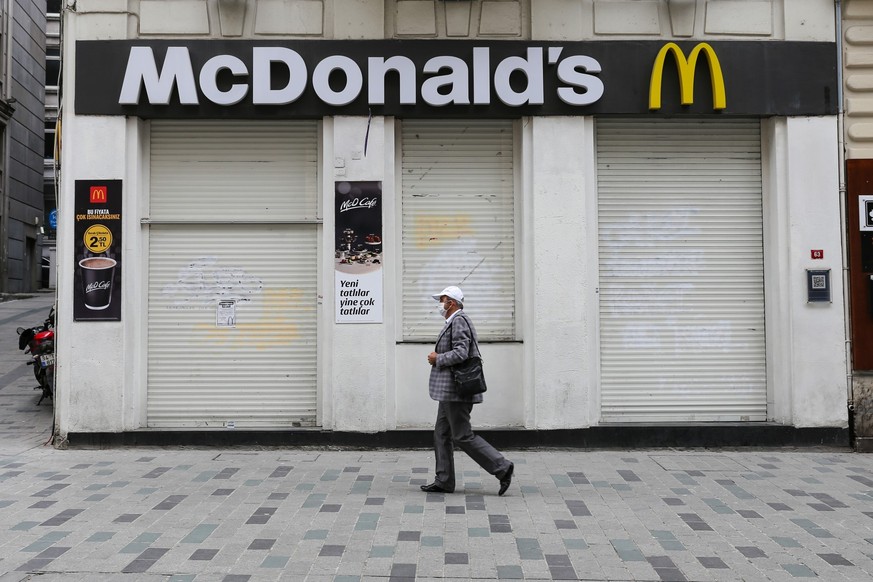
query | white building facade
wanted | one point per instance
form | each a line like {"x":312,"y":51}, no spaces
{"x":641,"y":241}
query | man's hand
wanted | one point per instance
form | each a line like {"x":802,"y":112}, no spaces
{"x":431,"y":358}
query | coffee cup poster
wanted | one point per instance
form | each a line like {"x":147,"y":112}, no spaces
{"x":358,"y":252}
{"x":97,"y":275}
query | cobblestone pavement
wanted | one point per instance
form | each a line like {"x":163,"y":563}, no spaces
{"x":186,"y":514}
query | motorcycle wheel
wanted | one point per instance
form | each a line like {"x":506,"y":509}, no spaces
{"x":39,"y":373}
{"x":43,"y":380}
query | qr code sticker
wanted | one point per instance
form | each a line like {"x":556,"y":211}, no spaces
{"x":818,"y":282}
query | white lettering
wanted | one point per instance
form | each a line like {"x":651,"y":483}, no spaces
{"x":555,"y":54}
{"x":143,"y":70}
{"x":569,"y":72}
{"x":457,"y":79}
{"x":517,"y":81}
{"x":209,"y":80}
{"x":358,"y":203}
{"x":321,"y":80}
{"x":97,"y":286}
{"x":378,"y":67}
{"x":262,"y":92}
{"x":532,"y":67}
{"x":481,"y":76}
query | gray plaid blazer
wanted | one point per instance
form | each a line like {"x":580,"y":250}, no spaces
{"x":456,"y":343}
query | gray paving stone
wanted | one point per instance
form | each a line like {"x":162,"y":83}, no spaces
{"x":640,"y":515}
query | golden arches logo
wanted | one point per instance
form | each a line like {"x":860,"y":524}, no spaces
{"x":98,"y":194}
{"x":687,"y":69}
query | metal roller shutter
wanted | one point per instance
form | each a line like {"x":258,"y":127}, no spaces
{"x":232,"y":217}
{"x":681,"y":271}
{"x":458,"y":223}
{"x":233,"y":170}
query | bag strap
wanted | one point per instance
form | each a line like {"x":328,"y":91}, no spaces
{"x":473,"y":341}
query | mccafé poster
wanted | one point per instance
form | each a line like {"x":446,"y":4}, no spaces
{"x":358,"y":252}
{"x":97,"y":246}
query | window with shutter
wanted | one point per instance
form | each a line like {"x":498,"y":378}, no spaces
{"x":458,"y":224}
{"x":232,"y":220}
{"x":681,"y":270}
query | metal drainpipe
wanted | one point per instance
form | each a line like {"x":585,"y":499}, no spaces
{"x":841,"y":150}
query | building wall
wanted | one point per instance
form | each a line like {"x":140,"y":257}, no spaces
{"x":548,"y":380}
{"x":805,"y":341}
{"x":52,"y":101}
{"x":23,"y":148}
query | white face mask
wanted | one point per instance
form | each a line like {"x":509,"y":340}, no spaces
{"x":443,"y":309}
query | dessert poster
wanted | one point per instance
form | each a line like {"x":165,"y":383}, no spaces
{"x":358,"y":252}
{"x":97,"y":249}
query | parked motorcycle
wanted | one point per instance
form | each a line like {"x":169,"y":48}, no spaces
{"x":39,"y":343}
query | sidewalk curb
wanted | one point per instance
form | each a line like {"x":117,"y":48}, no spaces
{"x":601,"y":437}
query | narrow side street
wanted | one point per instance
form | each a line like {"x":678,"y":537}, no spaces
{"x":23,"y":424}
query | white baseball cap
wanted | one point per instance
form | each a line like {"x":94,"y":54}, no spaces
{"x":451,"y":292}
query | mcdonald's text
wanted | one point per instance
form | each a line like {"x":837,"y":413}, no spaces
{"x":442,"y":80}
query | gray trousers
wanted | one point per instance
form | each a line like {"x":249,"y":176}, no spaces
{"x":452,"y":429}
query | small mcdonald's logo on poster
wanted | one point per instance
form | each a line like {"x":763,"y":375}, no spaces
{"x":98,"y":195}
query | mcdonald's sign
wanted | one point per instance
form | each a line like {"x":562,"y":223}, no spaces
{"x":497,"y":79}
{"x":687,"y":68}
{"x":98,"y":195}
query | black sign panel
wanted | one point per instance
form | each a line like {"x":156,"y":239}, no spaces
{"x":498,"y":79}
{"x":97,"y":244}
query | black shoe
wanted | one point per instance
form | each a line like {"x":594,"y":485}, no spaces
{"x":506,"y":480}
{"x":435,"y":488}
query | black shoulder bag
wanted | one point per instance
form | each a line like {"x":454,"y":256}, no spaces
{"x":468,"y":375}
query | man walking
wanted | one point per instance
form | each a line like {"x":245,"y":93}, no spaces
{"x":456,"y":343}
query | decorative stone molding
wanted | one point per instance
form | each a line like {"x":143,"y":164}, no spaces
{"x":500,"y":19}
{"x":359,"y":19}
{"x":682,"y":13}
{"x":189,"y":17}
{"x":741,"y":17}
{"x":860,"y":82}
{"x":857,"y":9}
{"x":857,"y":42}
{"x":293,"y":17}
{"x":559,"y":20}
{"x":232,"y":16}
{"x":458,"y":18}
{"x":86,"y":6}
{"x":416,"y":18}
{"x":860,"y":35}
{"x":627,"y":17}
